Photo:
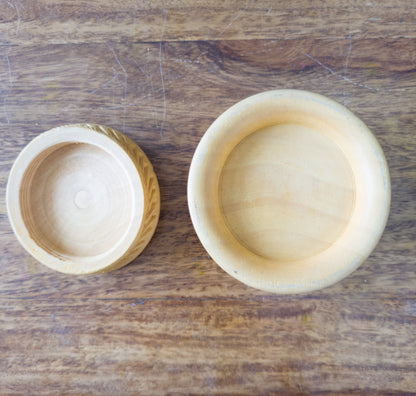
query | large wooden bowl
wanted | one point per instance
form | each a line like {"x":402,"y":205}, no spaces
{"x":83,"y":199}
{"x":288,"y":191}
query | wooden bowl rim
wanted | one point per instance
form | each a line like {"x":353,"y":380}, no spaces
{"x":215,"y":146}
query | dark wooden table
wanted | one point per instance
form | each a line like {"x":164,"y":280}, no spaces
{"x":172,"y":322}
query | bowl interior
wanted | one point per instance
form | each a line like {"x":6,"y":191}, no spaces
{"x":76,"y":200}
{"x":286,"y":192}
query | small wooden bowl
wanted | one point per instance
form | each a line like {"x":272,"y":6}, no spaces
{"x":83,"y":199}
{"x":288,"y":191}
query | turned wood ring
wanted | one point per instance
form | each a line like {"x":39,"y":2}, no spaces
{"x":83,"y":199}
{"x":288,"y":191}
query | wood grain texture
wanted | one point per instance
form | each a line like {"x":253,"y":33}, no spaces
{"x":172,"y":322}
{"x":186,"y":20}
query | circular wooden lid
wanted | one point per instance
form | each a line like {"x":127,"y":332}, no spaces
{"x":288,"y":191}
{"x":83,"y":199}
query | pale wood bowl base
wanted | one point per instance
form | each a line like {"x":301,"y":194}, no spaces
{"x":287,"y":213}
{"x":76,"y":200}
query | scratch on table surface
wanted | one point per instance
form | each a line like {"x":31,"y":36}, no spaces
{"x":233,"y":20}
{"x":139,"y":67}
{"x":134,"y":21}
{"x":123,"y":98}
{"x":149,"y":77}
{"x":152,"y":89}
{"x":5,"y":109}
{"x":14,"y":5}
{"x":6,"y":113}
{"x":161,"y":72}
{"x":348,"y":55}
{"x":139,"y":99}
{"x":72,"y":105}
{"x":201,"y":54}
{"x":181,"y":60}
{"x":106,"y":83}
{"x":343,"y":77}
{"x":10,"y":71}
{"x":190,"y":61}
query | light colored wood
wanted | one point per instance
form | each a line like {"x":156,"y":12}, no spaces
{"x":173,"y":322}
{"x":289,"y":191}
{"x":83,"y":199}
